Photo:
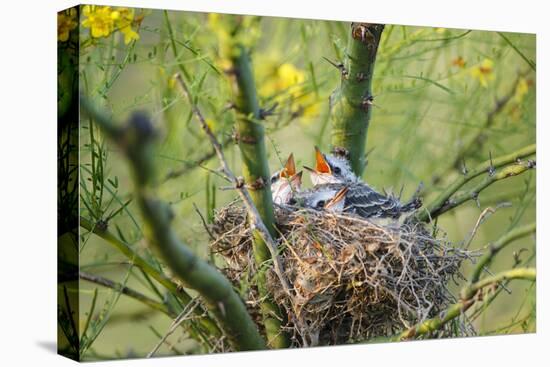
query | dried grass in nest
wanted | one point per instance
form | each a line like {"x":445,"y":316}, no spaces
{"x":352,"y":279}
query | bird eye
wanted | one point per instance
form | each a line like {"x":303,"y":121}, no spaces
{"x":337,"y":170}
{"x":320,"y":204}
{"x":273,"y":178}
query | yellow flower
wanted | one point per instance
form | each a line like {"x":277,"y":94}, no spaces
{"x":521,"y":90}
{"x":283,"y":78}
{"x":102,"y":21}
{"x":483,"y":72}
{"x":66,"y":22}
{"x":124,"y":18}
{"x":284,"y":81}
{"x":98,"y":19}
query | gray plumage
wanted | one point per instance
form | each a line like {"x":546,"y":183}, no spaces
{"x":360,"y":199}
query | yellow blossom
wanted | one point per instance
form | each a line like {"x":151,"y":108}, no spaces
{"x":287,"y":80}
{"x":124,"y":19}
{"x":103,"y":20}
{"x":521,"y":90}
{"x":483,"y":72}
{"x":66,"y":22}
{"x":283,"y":78}
{"x":98,"y":19}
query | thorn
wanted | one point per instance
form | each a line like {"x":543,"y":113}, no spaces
{"x":492,"y":169}
{"x":102,"y":225}
{"x":229,"y":106}
{"x":360,"y":77}
{"x":464,"y":169}
{"x":475,"y":197}
{"x":340,"y":152}
{"x":268,"y":112}
{"x":340,"y":66}
{"x":367,"y":102}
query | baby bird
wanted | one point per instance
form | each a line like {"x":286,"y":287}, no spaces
{"x":333,"y":173}
{"x":324,"y":197}
{"x":285,"y":182}
{"x":331,"y":169}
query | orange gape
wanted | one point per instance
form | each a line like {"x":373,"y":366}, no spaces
{"x":321,"y":164}
{"x":289,"y":169}
{"x":338,"y":197}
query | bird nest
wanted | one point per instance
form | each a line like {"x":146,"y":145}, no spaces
{"x":351,"y":279}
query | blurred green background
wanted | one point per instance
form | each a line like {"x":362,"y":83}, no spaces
{"x":434,"y":89}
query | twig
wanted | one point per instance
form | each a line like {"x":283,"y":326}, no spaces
{"x":135,"y":139}
{"x":506,"y":172}
{"x":189,"y":166}
{"x":207,"y":323}
{"x":500,"y":244}
{"x":241,"y":189}
{"x":486,"y":167}
{"x":204,"y":224}
{"x":465,"y":303}
{"x":175,"y":324}
{"x":126,"y":291}
{"x":479,"y":310}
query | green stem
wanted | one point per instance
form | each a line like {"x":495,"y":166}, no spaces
{"x":182,"y":68}
{"x":500,"y":244}
{"x":434,"y":208}
{"x":464,"y":304}
{"x":136,"y":139}
{"x":92,"y":278}
{"x":508,"y":171}
{"x":251,"y":140}
{"x":208,"y":324}
{"x":351,"y":102}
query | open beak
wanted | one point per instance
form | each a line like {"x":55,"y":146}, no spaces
{"x":309,"y":169}
{"x":321,"y":165}
{"x":340,"y":195}
{"x":289,"y":169}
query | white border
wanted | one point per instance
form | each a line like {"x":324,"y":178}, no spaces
{"x":28,"y":179}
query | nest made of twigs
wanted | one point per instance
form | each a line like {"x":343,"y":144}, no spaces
{"x":351,"y":279}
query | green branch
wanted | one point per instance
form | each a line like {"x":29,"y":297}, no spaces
{"x":501,"y":243}
{"x":250,"y":136}
{"x":92,"y":278}
{"x":135,"y":139}
{"x":472,"y":194}
{"x":444,"y":203}
{"x":255,"y":191}
{"x":464,"y":304}
{"x":351,"y":103}
{"x":206,"y":323}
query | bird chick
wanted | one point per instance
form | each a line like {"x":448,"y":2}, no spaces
{"x":333,"y":173}
{"x":331,"y":169}
{"x":285,"y":182}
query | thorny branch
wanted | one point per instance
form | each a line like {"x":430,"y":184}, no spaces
{"x":206,"y":322}
{"x":470,"y":295}
{"x":241,"y":189}
{"x":135,"y":139}
{"x":472,"y":291}
{"x":443,"y":202}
